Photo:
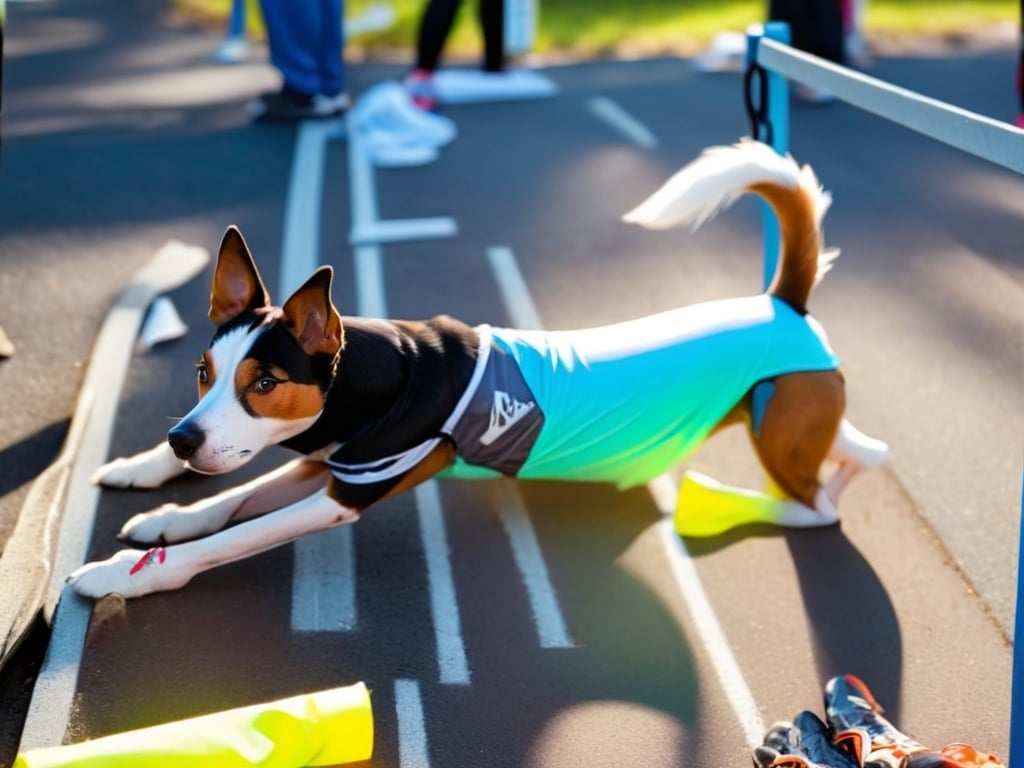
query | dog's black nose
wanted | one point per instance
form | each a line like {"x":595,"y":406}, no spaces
{"x":185,"y":440}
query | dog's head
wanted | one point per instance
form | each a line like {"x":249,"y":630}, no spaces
{"x":267,"y":371}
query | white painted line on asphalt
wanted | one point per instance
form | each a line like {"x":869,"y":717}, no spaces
{"x":362,"y":190}
{"x":444,"y":607}
{"x":412,"y":731}
{"x":514,"y":291}
{"x":91,"y":428}
{"x":367,"y":226}
{"x":372,"y":302}
{"x":323,"y":573}
{"x":369,"y":268}
{"x":547,"y":614}
{"x":727,"y":669}
{"x":300,"y":249}
{"x":614,"y":115}
{"x":551,"y":626}
{"x":369,"y":279}
{"x":401,"y":230}
{"x":49,"y":711}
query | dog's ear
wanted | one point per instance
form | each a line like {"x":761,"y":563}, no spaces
{"x":237,"y":285}
{"x":311,"y":317}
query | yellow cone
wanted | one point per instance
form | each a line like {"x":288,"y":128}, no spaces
{"x":317,"y":729}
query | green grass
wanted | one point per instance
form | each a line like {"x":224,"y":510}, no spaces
{"x":587,"y":28}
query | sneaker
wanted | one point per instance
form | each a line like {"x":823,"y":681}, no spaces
{"x":968,"y":757}
{"x":331,"y":106}
{"x":804,"y":743}
{"x":782,"y":739}
{"x":288,"y":104}
{"x":859,"y":728}
{"x":816,"y":742}
{"x":387,"y":109}
{"x":420,"y":86}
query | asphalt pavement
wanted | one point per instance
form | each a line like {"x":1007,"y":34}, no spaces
{"x":636,"y":649}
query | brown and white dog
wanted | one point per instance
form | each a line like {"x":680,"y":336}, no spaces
{"x":378,"y":406}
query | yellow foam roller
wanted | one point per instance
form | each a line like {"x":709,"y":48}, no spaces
{"x":316,"y":729}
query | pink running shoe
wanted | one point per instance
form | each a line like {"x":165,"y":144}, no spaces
{"x":420,"y":86}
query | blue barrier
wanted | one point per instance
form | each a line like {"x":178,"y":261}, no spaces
{"x":773,"y":61}
{"x":1017,"y":695}
{"x":771,"y":125}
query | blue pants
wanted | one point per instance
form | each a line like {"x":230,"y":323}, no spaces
{"x":305,"y":38}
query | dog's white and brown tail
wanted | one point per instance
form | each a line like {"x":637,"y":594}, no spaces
{"x":721,"y":175}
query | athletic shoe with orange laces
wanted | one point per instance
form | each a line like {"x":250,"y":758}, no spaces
{"x":859,"y":728}
{"x":804,"y":743}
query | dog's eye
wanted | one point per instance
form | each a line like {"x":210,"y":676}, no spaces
{"x":202,"y":373}
{"x":265,"y":385}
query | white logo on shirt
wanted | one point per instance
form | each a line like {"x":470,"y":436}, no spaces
{"x":505,"y":412}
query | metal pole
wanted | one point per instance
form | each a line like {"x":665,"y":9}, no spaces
{"x":778,"y":119}
{"x":1017,"y":673}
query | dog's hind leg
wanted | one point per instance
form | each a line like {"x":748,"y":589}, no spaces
{"x":853,"y":451}
{"x":793,"y":421}
{"x":796,"y":430}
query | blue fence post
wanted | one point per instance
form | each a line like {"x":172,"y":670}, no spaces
{"x":235,"y":44}
{"x":1017,"y":670}
{"x":778,"y":118}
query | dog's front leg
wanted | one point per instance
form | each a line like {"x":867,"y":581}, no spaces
{"x":173,"y":523}
{"x":149,"y":469}
{"x":133,"y":573}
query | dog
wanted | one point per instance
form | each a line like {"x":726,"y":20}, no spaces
{"x":377,"y":406}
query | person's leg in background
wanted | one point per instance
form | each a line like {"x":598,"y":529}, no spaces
{"x":435,"y":27}
{"x":855,"y":46}
{"x":331,"y":52}
{"x":305,"y":41}
{"x":492,"y":24}
{"x":816,"y":26}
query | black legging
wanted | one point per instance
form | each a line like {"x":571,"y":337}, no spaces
{"x":815,"y":26}
{"x":437,"y":23}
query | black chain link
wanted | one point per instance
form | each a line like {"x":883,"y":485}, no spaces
{"x":757,"y":111}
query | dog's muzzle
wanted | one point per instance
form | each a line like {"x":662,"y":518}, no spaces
{"x":185,"y":440}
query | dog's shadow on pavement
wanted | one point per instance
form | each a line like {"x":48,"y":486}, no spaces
{"x":850,"y":615}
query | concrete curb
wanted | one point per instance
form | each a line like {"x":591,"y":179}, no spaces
{"x":31,"y":566}
{"x":27,"y":560}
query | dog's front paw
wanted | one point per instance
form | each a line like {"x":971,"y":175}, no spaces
{"x":168,"y":524}
{"x":149,"y":469}
{"x":130,"y":573}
